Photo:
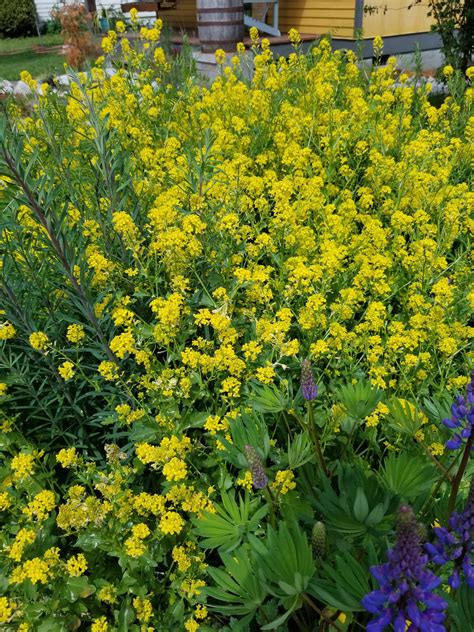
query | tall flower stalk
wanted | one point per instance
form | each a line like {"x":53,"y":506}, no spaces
{"x":406,"y":586}
{"x":462,"y":420}
{"x":456,"y":544}
{"x":309,"y":390}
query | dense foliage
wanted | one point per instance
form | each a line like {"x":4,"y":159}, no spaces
{"x":173,"y":257}
{"x":17,"y":18}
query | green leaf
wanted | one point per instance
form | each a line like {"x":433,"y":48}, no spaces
{"x":406,"y":475}
{"x":268,"y":399}
{"x":361,"y":506}
{"x":231,"y":524}
{"x":76,"y":588}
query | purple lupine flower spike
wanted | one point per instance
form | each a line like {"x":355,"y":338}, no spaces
{"x":456,"y":544}
{"x":406,"y":586}
{"x":462,"y":417}
{"x":308,"y":385}
{"x":259,"y":478}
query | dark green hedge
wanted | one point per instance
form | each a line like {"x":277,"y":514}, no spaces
{"x":17,"y":18}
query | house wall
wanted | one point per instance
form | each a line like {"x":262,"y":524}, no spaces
{"x":394,"y":17}
{"x":318,"y":17}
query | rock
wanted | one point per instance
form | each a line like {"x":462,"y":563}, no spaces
{"x":21,"y":89}
{"x":62,"y":80}
{"x":6,"y":87}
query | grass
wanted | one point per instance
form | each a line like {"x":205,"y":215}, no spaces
{"x":40,"y":66}
{"x":21,"y":44}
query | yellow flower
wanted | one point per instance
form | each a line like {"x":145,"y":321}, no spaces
{"x":246,"y":481}
{"x":7,"y":608}
{"x":76,"y":565}
{"x":436,"y":448}
{"x":220,"y":56}
{"x":181,"y":558}
{"x":100,"y":625}
{"x":171,"y":522}
{"x":123,"y":344}
{"x":67,"y":457}
{"x":7,"y":331}
{"x":141,"y":531}
{"x":23,"y":538}
{"x":200,"y":611}
{"x":66,"y":370}
{"x":175,"y":470}
{"x":5,"y":501}
{"x":22,"y":466}
{"x":75,"y":333}
{"x":134,"y":547}
{"x":378,"y":45}
{"x":39,"y":340}
{"x":253,"y":32}
{"x":108,"y":594}
{"x":3,"y":388}
{"x":40,"y":506}
{"x":294,"y":37}
{"x":143,"y":608}
{"x":283,"y":482}
{"x":191,"y":625}
{"x":36,"y":570}
{"x":108,"y":370}
{"x":265,"y":374}
{"x":448,"y":71}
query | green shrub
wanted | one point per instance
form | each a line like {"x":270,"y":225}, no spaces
{"x":17,"y":18}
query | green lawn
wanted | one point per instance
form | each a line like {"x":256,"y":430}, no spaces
{"x":16,"y":54}
{"x":20,"y":44}
{"x":40,"y":66}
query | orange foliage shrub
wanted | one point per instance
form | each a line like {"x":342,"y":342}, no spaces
{"x":75,"y":28}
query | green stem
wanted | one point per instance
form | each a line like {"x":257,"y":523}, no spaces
{"x":458,"y":478}
{"x":271,"y":503}
{"x":328,"y":620}
{"x":314,"y":436}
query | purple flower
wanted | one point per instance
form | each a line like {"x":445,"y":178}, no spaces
{"x":308,"y":385}
{"x":455,"y":544}
{"x":259,"y":478}
{"x":462,"y":417}
{"x":406,"y":586}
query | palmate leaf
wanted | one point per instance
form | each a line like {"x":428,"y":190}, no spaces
{"x":231,"y":523}
{"x":404,"y":417}
{"x":362,"y":507}
{"x":359,"y":399}
{"x":406,"y":475}
{"x":300,"y":450}
{"x":238,"y":588}
{"x":286,"y":559}
{"x":268,"y":399}
{"x":342,"y":583}
{"x":461,"y":609}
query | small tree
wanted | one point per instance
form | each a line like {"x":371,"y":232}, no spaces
{"x":75,"y":28}
{"x":455,"y":24}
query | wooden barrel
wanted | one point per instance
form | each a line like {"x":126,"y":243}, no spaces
{"x":220,"y":24}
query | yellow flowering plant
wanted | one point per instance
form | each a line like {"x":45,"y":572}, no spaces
{"x":230,"y":312}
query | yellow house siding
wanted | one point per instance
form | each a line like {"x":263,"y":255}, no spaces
{"x":318,"y":16}
{"x":398,"y":19}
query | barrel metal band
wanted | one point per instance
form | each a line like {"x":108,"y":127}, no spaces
{"x":224,"y":23}
{"x":221,"y":10}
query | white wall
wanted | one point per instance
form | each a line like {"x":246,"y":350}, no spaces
{"x":44,"y":7}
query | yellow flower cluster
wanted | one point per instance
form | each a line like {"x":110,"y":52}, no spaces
{"x":75,"y":333}
{"x":39,"y":340}
{"x":38,"y":509}
{"x":284,"y":482}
